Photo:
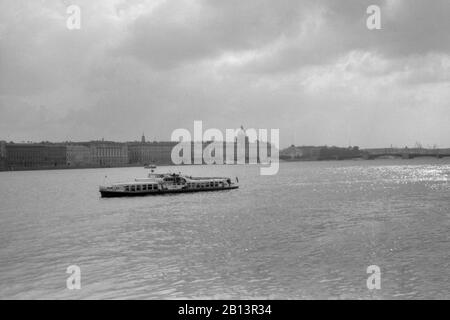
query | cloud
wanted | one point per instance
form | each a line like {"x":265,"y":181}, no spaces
{"x":310,"y":68}
{"x":286,"y":34}
{"x":178,"y":32}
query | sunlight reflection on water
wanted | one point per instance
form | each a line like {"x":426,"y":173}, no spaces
{"x":308,"y":232}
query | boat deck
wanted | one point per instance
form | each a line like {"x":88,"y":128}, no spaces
{"x":114,"y":194}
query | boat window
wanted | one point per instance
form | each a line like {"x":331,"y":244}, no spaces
{"x":138,"y":187}
{"x":144,"y":187}
{"x":133,"y":188}
{"x":127,"y":188}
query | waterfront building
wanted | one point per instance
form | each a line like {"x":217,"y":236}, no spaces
{"x":79,"y":155}
{"x":35,"y":155}
{"x":2,"y":155}
{"x":250,"y":155}
{"x":2,"y":149}
{"x":108,"y":153}
{"x":141,"y":153}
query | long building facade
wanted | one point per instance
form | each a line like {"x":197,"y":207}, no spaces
{"x":23,"y":156}
{"x":34,"y":155}
{"x":3,"y":155}
{"x":92,"y":154}
{"x":79,"y":155}
{"x":141,"y":153}
{"x":109,"y":154}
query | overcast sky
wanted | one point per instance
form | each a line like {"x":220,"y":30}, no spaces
{"x":310,"y":68}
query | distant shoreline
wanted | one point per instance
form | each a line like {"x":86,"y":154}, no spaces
{"x":181,"y":165}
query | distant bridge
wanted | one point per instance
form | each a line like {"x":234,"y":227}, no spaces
{"x":404,"y":153}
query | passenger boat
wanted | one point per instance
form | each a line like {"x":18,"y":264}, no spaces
{"x":161,"y":183}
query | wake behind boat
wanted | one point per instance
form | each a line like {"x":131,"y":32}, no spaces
{"x":161,"y":183}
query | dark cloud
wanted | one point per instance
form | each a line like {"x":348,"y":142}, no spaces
{"x":310,"y":68}
{"x":285,"y":35}
{"x":178,"y":32}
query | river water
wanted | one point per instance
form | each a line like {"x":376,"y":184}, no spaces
{"x":308,"y":232}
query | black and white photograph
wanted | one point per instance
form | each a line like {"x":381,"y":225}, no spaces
{"x":224,"y":150}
